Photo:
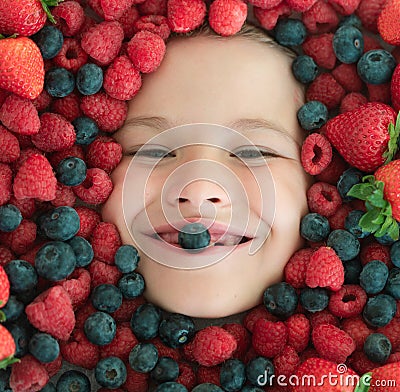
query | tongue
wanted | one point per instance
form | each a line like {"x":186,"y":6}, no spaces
{"x":227,"y":239}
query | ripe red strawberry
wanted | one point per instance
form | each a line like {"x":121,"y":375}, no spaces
{"x":7,"y":348}
{"x":21,"y":67}
{"x":362,"y":136}
{"x":388,"y":25}
{"x":382,"y":379}
{"x":4,"y":287}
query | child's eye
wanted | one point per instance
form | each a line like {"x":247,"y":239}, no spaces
{"x":156,"y":153}
{"x":253,"y":153}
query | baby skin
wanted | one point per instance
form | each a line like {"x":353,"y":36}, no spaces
{"x":246,"y":88}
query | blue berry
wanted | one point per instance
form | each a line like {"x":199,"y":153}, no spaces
{"x":10,"y":217}
{"x":376,"y":66}
{"x":110,"y":372}
{"x":315,"y":299}
{"x":171,"y":386}
{"x":314,"y":227}
{"x":86,"y":130}
{"x":71,"y":171}
{"x":194,"y":237}
{"x":346,"y":181}
{"x":393,"y":283}
{"x":351,"y":224}
{"x":351,"y":20}
{"x":4,"y":379}
{"x":83,"y":251}
{"x":145,"y":321}
{"x":395,"y":253}
{"x":100,"y":328}
{"x":55,"y":261}
{"x":352,"y":270}
{"x":386,"y":239}
{"x":131,"y":285}
{"x":280,"y":299}
{"x":73,"y":380}
{"x":22,"y":275}
{"x":379,"y":310}
{"x":232,"y":375}
{"x":143,"y":357}
{"x":89,"y":79}
{"x":377,"y":347}
{"x":49,"y":387}
{"x":176,"y":330}
{"x":312,"y":115}
{"x":251,"y":388}
{"x":290,"y":32}
{"x":59,"y":82}
{"x":21,"y":334}
{"x":260,"y":371}
{"x":60,"y":224}
{"x":13,"y":308}
{"x":304,"y":69}
{"x":127,"y":258}
{"x":44,"y":347}
{"x":49,"y":40}
{"x":348,"y":44}
{"x":373,"y":276}
{"x":166,"y":369}
{"x":207,"y":387}
{"x":345,"y":244}
{"x":106,"y":297}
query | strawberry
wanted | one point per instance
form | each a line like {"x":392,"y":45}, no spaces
{"x":388,"y":25}
{"x":7,"y":348}
{"x":365,"y":137}
{"x":21,"y":67}
{"x":4,"y":287}
{"x":382,"y":379}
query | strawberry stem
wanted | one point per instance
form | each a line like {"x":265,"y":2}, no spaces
{"x":8,"y":361}
{"x":2,"y":316}
{"x":49,"y":3}
{"x":394,"y":131}
{"x":364,"y":383}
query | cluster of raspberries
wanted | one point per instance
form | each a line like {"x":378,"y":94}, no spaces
{"x":332,"y":313}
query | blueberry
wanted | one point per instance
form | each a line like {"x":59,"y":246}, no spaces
{"x":86,"y":130}
{"x":312,"y":115}
{"x":100,"y":328}
{"x":395,"y":253}
{"x":166,"y":369}
{"x":44,"y":347}
{"x":377,"y":347}
{"x":373,"y":276}
{"x":348,"y":44}
{"x":352,"y":270}
{"x":194,"y":236}
{"x":22,"y":275}
{"x":349,"y":177}
{"x":4,"y":379}
{"x":21,"y":334}
{"x":345,"y":244}
{"x":59,"y":82}
{"x":314,"y":227}
{"x":315,"y":299}
{"x":280,"y":299}
{"x":290,"y":32}
{"x":380,"y":310}
{"x":106,"y":297}
{"x":145,"y":321}
{"x":131,"y":285}
{"x":376,"y":66}
{"x":393,"y":283}
{"x":60,"y":224}
{"x":10,"y":217}
{"x":207,"y":387}
{"x":251,"y":388}
{"x":13,"y":308}
{"x":143,"y":357}
{"x":83,"y":251}
{"x":176,"y":330}
{"x":49,"y":387}
{"x":127,"y":258}
{"x":110,"y":372}
{"x":89,"y":79}
{"x":71,"y":171}
{"x":352,"y":226}
{"x":351,"y":20}
{"x":232,"y":375}
{"x":73,"y":380}
{"x":260,"y":371}
{"x":49,"y":40}
{"x":171,"y":386}
{"x":304,"y":69}
{"x":386,"y":239}
{"x":55,"y":261}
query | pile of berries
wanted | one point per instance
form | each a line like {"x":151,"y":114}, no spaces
{"x":68,"y":287}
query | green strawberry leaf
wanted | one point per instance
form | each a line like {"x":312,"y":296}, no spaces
{"x":2,"y":316}
{"x":367,"y":221}
{"x":394,"y":131}
{"x":361,"y":191}
{"x":49,"y":3}
{"x":364,"y":383}
{"x":8,"y":361}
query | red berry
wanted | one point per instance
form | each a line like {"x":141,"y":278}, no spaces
{"x":269,"y":337}
{"x":105,"y":242}
{"x":368,"y":11}
{"x":153,"y":7}
{"x":71,"y":56}
{"x":300,"y":5}
{"x":128,"y":21}
{"x":184,"y":16}
{"x":347,"y":76}
{"x":357,"y":329}
{"x":392,"y":331}
{"x":242,"y":337}
{"x":351,"y":102}
{"x":53,"y":367}
{"x":113,"y":10}
{"x":379,"y":92}
{"x":4,"y":287}
{"x":286,"y":362}
{"x":375,"y":251}
{"x":337,"y":220}
{"x":187,"y":376}
{"x":265,"y":4}
{"x":316,"y":153}
{"x":323,"y":198}
{"x":320,"y":48}
{"x":296,"y":267}
{"x":156,"y":24}
{"x":269,"y":17}
{"x":320,"y":18}
{"x":102,"y":273}
{"x":388,"y":22}
{"x":209,"y":374}
{"x":77,"y":285}
{"x":5,"y":183}
{"x":28,"y":375}
{"x":255,"y":314}
{"x":323,"y":317}
{"x":104,"y":153}
{"x":65,"y":196}
{"x":299,"y":328}
{"x":345,"y":7}
{"x":10,"y":146}
{"x":69,"y":16}
{"x":349,"y":301}
{"x":89,"y":219}
{"x":74,"y":151}
{"x":135,"y":381}
{"x":128,"y":307}
{"x":68,"y":107}
{"x":334,"y":170}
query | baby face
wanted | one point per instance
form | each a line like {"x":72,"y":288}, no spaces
{"x":212,"y":137}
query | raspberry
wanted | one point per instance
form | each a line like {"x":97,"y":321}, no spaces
{"x":392,"y":331}
{"x":3,"y":95}
{"x":269,"y":18}
{"x":109,"y":113}
{"x":323,"y":199}
{"x":68,"y":107}
{"x":79,"y":351}
{"x":128,"y":21}
{"x":184,"y":16}
{"x":104,"y":153}
{"x":102,"y":273}
{"x":320,"y":49}
{"x":156,"y":24}
{"x":300,"y":5}
{"x":349,"y":301}
{"x":83,"y":313}
{"x":10,"y":146}
{"x":103,"y":41}
{"x":51,"y":312}
{"x":71,"y":56}
{"x":89,"y":219}
{"x":122,"y":80}
{"x":295,"y":269}
{"x":269,"y":337}
{"x":375,"y":251}
{"x":213,"y":345}
{"x":22,"y":238}
{"x":146,"y":50}
{"x":257,"y":313}
{"x":286,"y":362}
{"x":105,"y":242}
{"x":187,"y":376}
{"x":19,"y":115}
{"x":226,"y":17}
{"x":345,"y":7}
{"x":77,"y":285}
{"x":65,"y":196}
{"x":6,"y":255}
{"x":332,"y":343}
{"x":135,"y":381}
{"x":371,"y":43}
{"x":69,"y":17}
{"x":165,"y":351}
{"x":74,"y":151}
{"x":5,"y":183}
{"x":334,"y":170}
{"x":394,"y":357}
{"x":368,"y":11}
{"x":53,"y":367}
{"x":42,"y":101}
{"x":96,"y":188}
{"x":351,"y":102}
{"x":347,"y":76}
{"x":28,"y":375}
{"x":360,"y":363}
{"x":153,"y":7}
{"x":357,"y":329}
{"x":316,"y":153}
{"x":242,"y":337}
{"x":113,"y":10}
{"x":298,"y":328}
{"x":209,"y":375}
{"x":320,"y":18}
{"x":265,"y":4}
{"x":95,"y":5}
{"x":323,"y":317}
{"x":55,"y":133}
{"x":35,"y":179}
{"x":336,"y":221}
{"x":128,"y":307}
{"x":379,"y":92}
